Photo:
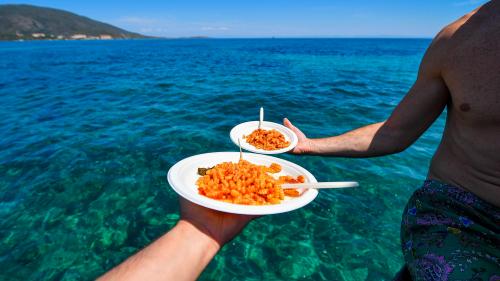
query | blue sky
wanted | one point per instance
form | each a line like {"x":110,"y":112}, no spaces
{"x":266,"y":18}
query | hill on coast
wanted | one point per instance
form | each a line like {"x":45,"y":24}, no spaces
{"x":32,"y":22}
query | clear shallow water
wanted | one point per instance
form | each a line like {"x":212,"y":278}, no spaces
{"x":89,"y":129}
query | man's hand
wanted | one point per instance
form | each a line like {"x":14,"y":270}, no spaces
{"x":221,"y":227}
{"x":305,"y":145}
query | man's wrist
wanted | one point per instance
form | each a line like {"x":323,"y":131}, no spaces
{"x":199,"y":236}
{"x":312,"y":145}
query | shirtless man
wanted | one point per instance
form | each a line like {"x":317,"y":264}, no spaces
{"x":451,"y":225}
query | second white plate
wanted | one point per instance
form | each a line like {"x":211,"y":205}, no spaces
{"x":248,"y":127}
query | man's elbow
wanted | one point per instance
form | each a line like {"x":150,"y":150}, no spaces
{"x":399,"y":148}
{"x":400,"y":142}
{"x":391,"y":141}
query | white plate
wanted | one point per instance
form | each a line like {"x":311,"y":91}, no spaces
{"x":183,"y":175}
{"x":248,"y":127}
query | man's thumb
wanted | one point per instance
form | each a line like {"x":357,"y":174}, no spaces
{"x":288,"y":124}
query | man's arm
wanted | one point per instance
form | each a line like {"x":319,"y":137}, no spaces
{"x":183,"y":252}
{"x":412,"y":117}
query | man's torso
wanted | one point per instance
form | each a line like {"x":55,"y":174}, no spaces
{"x":469,"y":153}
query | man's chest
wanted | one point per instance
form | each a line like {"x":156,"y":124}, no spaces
{"x":472,"y":75}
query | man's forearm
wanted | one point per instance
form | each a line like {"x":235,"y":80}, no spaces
{"x":181,"y":254}
{"x":369,"y":141}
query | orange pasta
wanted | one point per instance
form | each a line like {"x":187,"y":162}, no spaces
{"x":267,"y":139}
{"x":246,"y":183}
{"x":288,"y":179}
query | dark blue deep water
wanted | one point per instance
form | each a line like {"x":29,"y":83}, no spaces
{"x":88,"y":130}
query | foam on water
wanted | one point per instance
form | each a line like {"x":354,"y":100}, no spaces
{"x":89,"y":130}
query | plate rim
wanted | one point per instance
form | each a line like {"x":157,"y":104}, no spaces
{"x":293,"y":142}
{"x":239,"y":208}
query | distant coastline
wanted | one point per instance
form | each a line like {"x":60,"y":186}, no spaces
{"x":27,"y":22}
{"x":43,"y":36}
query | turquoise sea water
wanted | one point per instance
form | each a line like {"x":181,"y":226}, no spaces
{"x":88,"y":130}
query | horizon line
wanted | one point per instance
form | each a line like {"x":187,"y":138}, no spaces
{"x":289,"y":37}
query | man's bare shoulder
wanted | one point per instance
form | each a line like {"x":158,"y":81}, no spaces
{"x":443,"y":44}
{"x":443,"y":39}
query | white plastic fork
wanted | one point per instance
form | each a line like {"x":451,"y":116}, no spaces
{"x":321,"y":185}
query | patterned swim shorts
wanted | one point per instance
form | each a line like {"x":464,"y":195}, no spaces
{"x":448,"y":233}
